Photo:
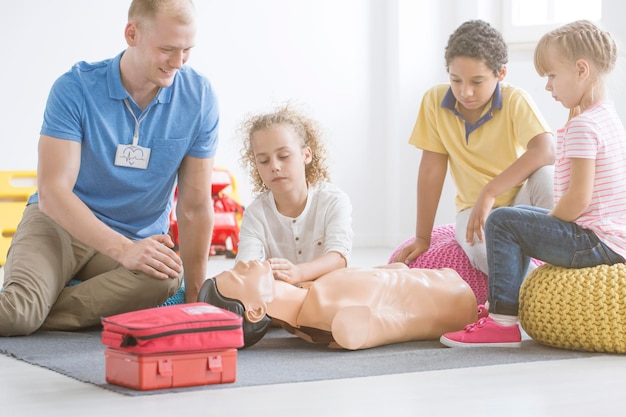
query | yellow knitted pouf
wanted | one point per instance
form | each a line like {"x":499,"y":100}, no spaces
{"x":576,"y":309}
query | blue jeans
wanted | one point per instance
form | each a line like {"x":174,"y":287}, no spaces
{"x":514,"y":235}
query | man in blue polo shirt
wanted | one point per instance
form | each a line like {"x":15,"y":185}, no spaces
{"x":117,"y":137}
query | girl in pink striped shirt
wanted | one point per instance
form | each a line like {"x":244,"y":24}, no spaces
{"x":587,"y":226}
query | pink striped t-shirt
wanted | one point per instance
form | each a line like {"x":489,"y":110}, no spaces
{"x":599,"y":134}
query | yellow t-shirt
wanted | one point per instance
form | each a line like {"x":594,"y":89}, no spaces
{"x":489,"y":149}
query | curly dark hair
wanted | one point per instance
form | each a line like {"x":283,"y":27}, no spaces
{"x":307,"y":129}
{"x":478,"y":39}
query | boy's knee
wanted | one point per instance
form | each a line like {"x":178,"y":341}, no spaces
{"x":541,"y":185}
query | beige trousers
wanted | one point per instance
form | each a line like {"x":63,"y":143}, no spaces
{"x":537,"y":191}
{"x":44,"y":258}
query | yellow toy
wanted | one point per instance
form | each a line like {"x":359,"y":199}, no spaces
{"x":15,"y":188}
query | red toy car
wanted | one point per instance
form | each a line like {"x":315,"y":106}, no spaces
{"x":228,"y":214}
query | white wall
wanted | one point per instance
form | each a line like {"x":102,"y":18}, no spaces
{"x":358,"y":66}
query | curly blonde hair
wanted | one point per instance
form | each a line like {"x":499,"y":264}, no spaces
{"x":576,"y":40}
{"x":307,"y":130}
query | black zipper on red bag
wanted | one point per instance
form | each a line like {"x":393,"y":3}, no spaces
{"x":129,"y":340}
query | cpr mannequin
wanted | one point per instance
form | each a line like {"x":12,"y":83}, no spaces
{"x":350,"y":308}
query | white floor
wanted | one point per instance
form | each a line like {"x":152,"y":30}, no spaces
{"x":577,"y":387}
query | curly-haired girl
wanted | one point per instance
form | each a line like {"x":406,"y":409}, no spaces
{"x":298,"y":221}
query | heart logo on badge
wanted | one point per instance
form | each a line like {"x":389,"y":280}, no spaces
{"x":132,"y":155}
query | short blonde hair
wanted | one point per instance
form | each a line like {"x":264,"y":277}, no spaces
{"x":307,"y":130}
{"x":145,"y":10}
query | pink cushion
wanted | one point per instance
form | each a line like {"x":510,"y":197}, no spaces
{"x":445,"y":252}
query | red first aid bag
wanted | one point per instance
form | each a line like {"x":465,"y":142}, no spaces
{"x":175,"y":328}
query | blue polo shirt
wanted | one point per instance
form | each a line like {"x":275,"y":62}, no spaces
{"x":86,"y":105}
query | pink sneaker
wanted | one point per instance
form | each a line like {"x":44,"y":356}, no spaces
{"x":485,"y":332}
{"x":482,"y":312}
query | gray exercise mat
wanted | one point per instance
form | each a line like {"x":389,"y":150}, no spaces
{"x":278,"y":358}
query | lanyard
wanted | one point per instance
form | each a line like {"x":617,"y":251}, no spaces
{"x":137,"y":121}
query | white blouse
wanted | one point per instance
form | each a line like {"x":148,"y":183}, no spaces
{"x":325,"y":225}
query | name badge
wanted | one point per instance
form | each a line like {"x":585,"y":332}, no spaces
{"x":132,"y":156}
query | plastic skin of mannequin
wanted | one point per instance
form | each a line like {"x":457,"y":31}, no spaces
{"x":355,"y":308}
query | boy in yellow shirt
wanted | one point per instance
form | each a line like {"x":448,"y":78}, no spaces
{"x":499,"y":148}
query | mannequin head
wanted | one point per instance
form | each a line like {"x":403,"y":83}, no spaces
{"x":252,"y":284}
{"x":245,"y":290}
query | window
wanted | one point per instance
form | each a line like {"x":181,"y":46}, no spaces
{"x":525,"y":21}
